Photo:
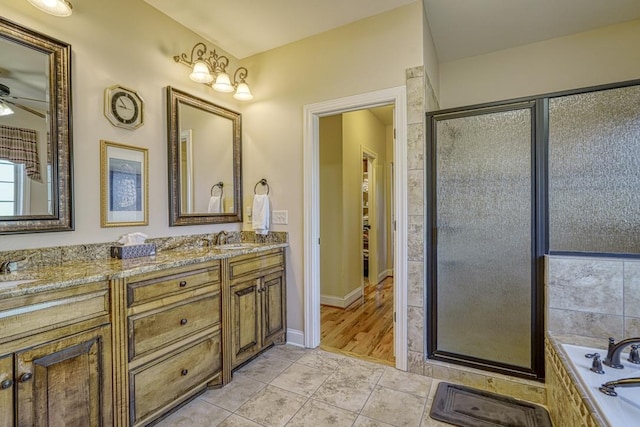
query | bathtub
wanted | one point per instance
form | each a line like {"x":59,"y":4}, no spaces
{"x":620,"y":411}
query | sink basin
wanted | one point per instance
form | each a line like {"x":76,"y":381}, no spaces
{"x":11,"y":283}
{"x":231,"y":246}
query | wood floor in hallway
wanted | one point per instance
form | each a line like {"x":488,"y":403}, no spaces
{"x":363,"y":329}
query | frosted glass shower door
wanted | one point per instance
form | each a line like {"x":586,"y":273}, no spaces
{"x":482,"y":248}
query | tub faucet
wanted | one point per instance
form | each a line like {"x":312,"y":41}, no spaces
{"x":608,"y":388}
{"x":613,"y":354}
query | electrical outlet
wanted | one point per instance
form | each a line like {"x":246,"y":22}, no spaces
{"x":248,"y":210}
{"x":280,"y":217}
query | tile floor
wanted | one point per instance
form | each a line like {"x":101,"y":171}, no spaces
{"x":292,"y":386}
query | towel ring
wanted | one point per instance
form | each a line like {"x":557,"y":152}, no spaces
{"x":219,"y":186}
{"x":263,"y":182}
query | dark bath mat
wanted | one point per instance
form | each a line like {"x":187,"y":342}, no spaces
{"x":467,"y":407}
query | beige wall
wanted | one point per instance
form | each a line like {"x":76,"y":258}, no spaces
{"x":368,"y":55}
{"x":332,"y":265}
{"x":605,"y":55}
{"x":363,"y":131}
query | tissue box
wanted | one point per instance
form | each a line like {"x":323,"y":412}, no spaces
{"x":133,"y":251}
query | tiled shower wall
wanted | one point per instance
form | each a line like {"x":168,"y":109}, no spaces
{"x":594,"y":297}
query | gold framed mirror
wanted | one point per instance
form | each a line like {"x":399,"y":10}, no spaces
{"x":35,"y":132}
{"x":205,"y":161}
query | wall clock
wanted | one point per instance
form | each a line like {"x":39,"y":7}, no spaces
{"x":123,"y":107}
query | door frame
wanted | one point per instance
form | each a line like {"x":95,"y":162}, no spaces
{"x":311,"y":162}
{"x":371,"y":158}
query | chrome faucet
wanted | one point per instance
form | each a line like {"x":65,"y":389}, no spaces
{"x":608,"y":388}
{"x":613,"y":354}
{"x":5,"y":266}
{"x":220,"y":238}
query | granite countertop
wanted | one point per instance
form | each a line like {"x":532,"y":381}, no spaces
{"x":77,"y":273}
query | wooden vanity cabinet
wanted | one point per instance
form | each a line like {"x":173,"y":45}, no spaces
{"x":174,"y":337}
{"x":55,"y":358}
{"x":257,"y":303}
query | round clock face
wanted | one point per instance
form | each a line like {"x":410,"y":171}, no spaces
{"x":123,"y":107}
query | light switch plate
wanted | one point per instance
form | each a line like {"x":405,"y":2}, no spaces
{"x":280,"y":217}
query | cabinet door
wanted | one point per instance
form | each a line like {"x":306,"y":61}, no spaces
{"x":245,"y":321}
{"x":6,"y":391}
{"x":273,"y":308}
{"x":66,"y":382}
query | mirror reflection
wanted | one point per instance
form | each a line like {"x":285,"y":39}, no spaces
{"x":25,"y":155}
{"x":35,"y":140}
{"x":204,"y":161}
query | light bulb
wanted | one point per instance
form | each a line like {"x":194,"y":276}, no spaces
{"x":223,"y":83}
{"x":200,"y":73}
{"x":243,"y":93}
{"x":54,"y":7}
{"x":5,"y":110}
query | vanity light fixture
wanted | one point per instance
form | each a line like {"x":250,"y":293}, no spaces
{"x":5,"y":110}
{"x":207,"y":67}
{"x":54,"y":7}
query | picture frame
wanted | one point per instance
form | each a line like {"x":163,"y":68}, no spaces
{"x":124,"y":185}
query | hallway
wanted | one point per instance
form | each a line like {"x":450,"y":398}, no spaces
{"x":365,"y":328}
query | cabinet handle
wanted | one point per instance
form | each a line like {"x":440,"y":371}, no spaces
{"x":184,"y":372}
{"x":26,"y":377}
{"x":183,"y":321}
{"x":6,"y":384}
{"x":261,"y":290}
{"x":183,"y":283}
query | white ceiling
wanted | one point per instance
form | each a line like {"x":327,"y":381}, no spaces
{"x":460,"y":28}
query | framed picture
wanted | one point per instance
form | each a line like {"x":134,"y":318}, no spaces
{"x":124,"y":185}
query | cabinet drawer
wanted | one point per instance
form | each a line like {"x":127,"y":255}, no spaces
{"x":255,"y":264}
{"x":157,"y":385}
{"x":154,"y":329}
{"x":167,"y":282}
{"x":27,"y":315}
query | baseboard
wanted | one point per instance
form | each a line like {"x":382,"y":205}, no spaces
{"x":384,"y":274}
{"x":295,"y":337}
{"x":341,"y":302}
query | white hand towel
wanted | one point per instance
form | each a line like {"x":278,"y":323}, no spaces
{"x":260,"y":222}
{"x":216,"y":204}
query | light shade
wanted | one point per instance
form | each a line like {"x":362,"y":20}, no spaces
{"x":5,"y":110}
{"x":242,"y":92}
{"x":53,"y":7}
{"x":201,"y":73}
{"x":223,"y":83}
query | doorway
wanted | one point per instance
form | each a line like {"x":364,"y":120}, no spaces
{"x":356,"y":271}
{"x":312,"y":114}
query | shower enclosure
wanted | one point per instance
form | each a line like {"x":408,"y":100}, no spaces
{"x":507,"y":183}
{"x":483,"y":243}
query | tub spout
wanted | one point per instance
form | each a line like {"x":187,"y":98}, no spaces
{"x":613,"y":354}
{"x":608,"y":388}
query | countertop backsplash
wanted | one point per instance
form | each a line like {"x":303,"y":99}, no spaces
{"x":54,"y":256}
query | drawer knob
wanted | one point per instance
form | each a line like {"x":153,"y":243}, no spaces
{"x":183,"y":283}
{"x":184,"y":372}
{"x":183,"y":321}
{"x":26,"y":377}
{"x":6,"y":384}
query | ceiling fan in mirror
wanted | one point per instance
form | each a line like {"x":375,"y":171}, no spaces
{"x":6,"y":99}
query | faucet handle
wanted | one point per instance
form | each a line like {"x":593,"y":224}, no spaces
{"x":596,"y":365}
{"x":634,"y":357}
